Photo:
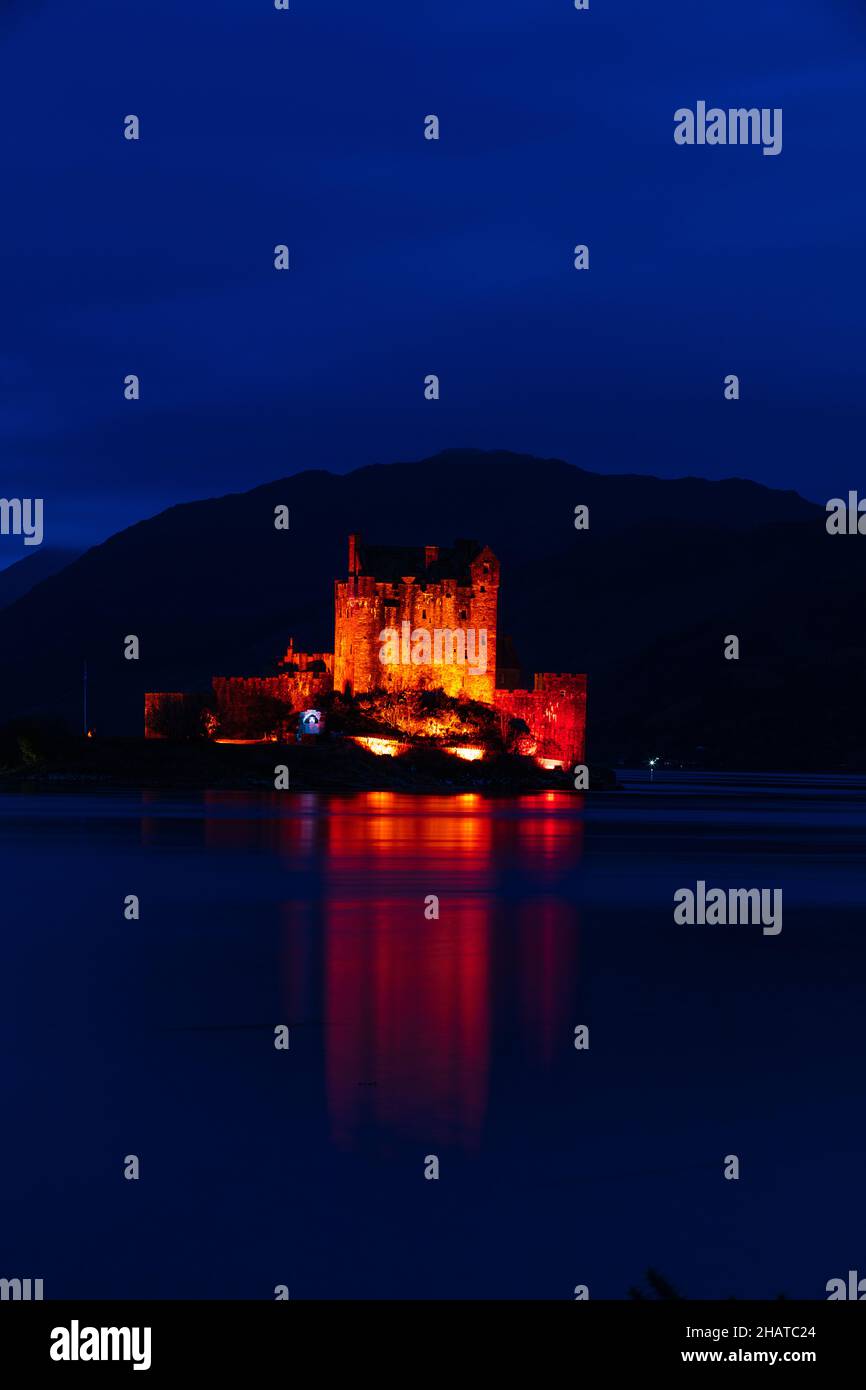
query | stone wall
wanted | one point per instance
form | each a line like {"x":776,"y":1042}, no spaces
{"x":258,"y":706}
{"x":555,"y":713}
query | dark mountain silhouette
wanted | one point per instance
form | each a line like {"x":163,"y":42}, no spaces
{"x":641,"y":601}
{"x":36,"y":565}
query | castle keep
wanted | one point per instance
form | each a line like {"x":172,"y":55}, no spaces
{"x":431,"y":589}
{"x":405,"y":619}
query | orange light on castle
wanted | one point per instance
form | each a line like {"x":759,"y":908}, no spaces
{"x":469,"y":755}
{"x":382,"y":747}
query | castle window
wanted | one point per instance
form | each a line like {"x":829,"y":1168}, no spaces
{"x":463,"y":613}
{"x":486,"y":569}
{"x":423,"y":612}
{"x":483,"y":590}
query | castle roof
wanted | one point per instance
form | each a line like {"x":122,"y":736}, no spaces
{"x":389,"y":563}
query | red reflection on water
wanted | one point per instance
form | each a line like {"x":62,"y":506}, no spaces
{"x":409,"y":1001}
{"x":408,"y":1028}
{"x":407,"y":996}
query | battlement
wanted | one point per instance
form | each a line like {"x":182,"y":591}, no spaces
{"x":554,"y":711}
{"x":297,"y":662}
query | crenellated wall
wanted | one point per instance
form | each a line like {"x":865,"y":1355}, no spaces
{"x":254,"y":706}
{"x":306,"y":661}
{"x":555,"y":713}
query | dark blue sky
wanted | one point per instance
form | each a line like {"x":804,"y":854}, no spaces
{"x":411,"y":257}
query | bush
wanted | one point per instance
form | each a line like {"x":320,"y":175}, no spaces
{"x":420,"y":714}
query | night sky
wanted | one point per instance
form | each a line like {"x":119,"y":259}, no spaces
{"x":411,"y":257}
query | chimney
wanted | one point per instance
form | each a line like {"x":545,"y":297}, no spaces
{"x":431,"y":555}
{"x":354,"y":554}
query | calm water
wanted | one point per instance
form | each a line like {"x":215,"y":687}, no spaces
{"x":412,"y":1037}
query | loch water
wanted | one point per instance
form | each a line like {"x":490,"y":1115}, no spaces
{"x":413,"y":1036}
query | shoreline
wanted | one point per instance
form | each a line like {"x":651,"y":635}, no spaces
{"x":329,"y":766}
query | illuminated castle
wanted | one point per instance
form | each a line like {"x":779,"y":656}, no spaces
{"x":433,"y":590}
{"x":405,"y":619}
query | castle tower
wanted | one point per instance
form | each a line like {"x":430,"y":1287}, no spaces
{"x":451,"y":594}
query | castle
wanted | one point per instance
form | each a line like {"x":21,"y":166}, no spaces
{"x":405,"y":619}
